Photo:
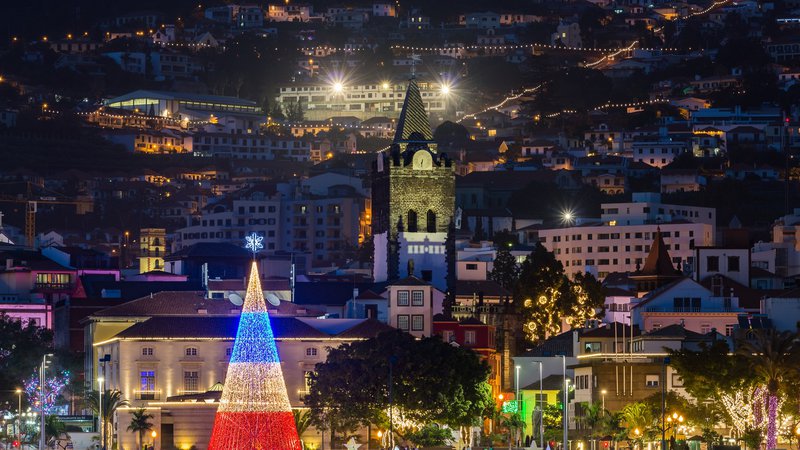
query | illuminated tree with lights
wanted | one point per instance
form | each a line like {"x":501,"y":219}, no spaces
{"x":580,"y":299}
{"x":254,"y":411}
{"x":53,"y":388}
{"x":772,"y":357}
{"x":537,"y":293}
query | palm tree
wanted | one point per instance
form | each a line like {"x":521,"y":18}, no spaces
{"x":302,"y":420}
{"x":53,"y":428}
{"x":592,"y":415}
{"x":139,"y":424}
{"x":514,"y":423}
{"x":772,"y":356}
{"x":638,"y":420}
{"x":112,"y":400}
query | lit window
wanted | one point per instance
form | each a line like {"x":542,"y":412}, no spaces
{"x":469,"y":337}
{"x":190,"y":381}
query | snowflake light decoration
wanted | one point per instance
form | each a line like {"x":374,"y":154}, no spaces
{"x":254,"y":243}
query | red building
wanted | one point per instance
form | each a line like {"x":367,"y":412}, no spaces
{"x":474,"y":334}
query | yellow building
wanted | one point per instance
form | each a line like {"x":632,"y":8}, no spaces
{"x":532,"y":400}
{"x":152,"y":246}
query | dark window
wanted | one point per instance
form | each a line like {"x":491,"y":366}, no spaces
{"x":712,"y":263}
{"x":412,"y":221}
{"x":733,"y":263}
{"x":431,"y":221}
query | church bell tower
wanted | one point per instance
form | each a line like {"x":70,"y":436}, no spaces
{"x":413,"y":200}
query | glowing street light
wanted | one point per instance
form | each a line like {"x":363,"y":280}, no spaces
{"x":604,"y":392}
{"x":338,"y":87}
{"x":385,"y":85}
{"x":567,"y":216}
{"x":445,"y":89}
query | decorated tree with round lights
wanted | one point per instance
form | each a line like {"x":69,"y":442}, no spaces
{"x":537,"y":294}
{"x":254,"y":410}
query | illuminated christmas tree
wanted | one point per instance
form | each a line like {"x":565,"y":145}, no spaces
{"x":254,"y":411}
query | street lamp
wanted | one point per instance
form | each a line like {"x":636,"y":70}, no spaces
{"x":566,"y":396}
{"x":42,"y":397}
{"x":19,"y":414}
{"x":541,"y":407}
{"x":604,"y":392}
{"x":100,"y":420}
{"x":338,"y":87}
{"x":153,"y":434}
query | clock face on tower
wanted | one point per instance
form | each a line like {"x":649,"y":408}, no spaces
{"x":422,"y":160}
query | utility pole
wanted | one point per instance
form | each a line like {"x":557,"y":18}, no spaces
{"x":664,"y":403}
{"x":42,"y":402}
{"x":565,"y":446}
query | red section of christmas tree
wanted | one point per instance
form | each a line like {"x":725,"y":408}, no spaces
{"x":254,"y":411}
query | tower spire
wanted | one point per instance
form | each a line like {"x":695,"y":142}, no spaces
{"x":413,"y":125}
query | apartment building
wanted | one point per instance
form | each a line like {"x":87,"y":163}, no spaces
{"x":289,"y":216}
{"x":170,"y":352}
{"x":658,"y":152}
{"x":602,"y":249}
{"x":647,"y":208}
{"x":251,"y":146}
{"x":382,"y":98}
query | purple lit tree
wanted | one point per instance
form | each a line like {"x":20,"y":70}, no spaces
{"x":53,"y":388}
{"x":771,"y":355}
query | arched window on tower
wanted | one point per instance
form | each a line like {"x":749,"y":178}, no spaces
{"x":412,"y":221}
{"x":431,"y":221}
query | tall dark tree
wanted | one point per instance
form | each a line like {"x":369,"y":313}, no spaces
{"x":451,"y":135}
{"x":506,"y":270}
{"x":21,"y":351}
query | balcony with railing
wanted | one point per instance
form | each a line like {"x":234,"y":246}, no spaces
{"x":147,"y":395}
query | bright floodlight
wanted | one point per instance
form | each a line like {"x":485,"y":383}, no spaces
{"x":337,"y":87}
{"x":385,"y":85}
{"x":445,"y":89}
{"x":567,"y":216}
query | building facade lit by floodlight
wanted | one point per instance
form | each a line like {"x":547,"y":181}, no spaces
{"x":324,"y":100}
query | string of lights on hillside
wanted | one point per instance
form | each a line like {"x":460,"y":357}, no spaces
{"x":526,"y":46}
{"x":502,"y":103}
{"x":613,"y":55}
{"x":502,"y":47}
{"x":612,"y":106}
{"x":710,"y":8}
{"x":137,"y":116}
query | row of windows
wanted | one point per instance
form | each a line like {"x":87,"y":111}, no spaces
{"x":417,"y":322}
{"x":192,"y":351}
{"x":417,"y":298}
{"x":605,"y":236}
